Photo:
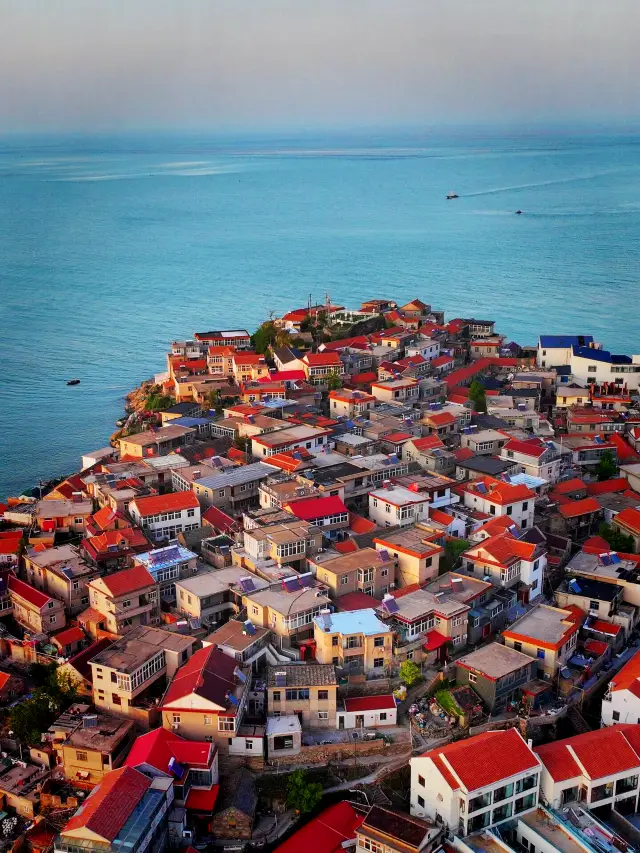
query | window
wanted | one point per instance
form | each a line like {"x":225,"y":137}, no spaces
{"x":592,"y":368}
{"x":248,"y":744}
{"x":383,"y":716}
{"x":208,"y":720}
{"x":378,"y":642}
{"x":51,"y":604}
{"x":594,"y":605}
{"x":616,"y":716}
{"x":421,"y":802}
{"x":344,"y":580}
{"x":323,"y":715}
{"x":525,"y":505}
{"x":126,"y":603}
{"x":81,"y":756}
{"x":509,"y":510}
{"x":323,"y":695}
{"x":472,"y":678}
{"x":176,"y":718}
{"x":76,"y":584}
{"x":517,"y":647}
{"x":276,"y":695}
{"x":191,"y":513}
{"x":371,"y":845}
{"x":226,"y":724}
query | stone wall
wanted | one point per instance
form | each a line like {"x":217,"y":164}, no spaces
{"x":337,"y":752}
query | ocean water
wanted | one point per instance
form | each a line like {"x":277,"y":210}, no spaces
{"x":111,"y":247}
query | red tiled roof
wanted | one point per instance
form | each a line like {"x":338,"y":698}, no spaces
{"x":596,"y":545}
{"x":397,"y":437}
{"x":347,"y":546}
{"x":602,"y":753}
{"x":80,"y":661}
{"x":382,"y":702}
{"x":484,"y":759}
{"x":126,"y":539}
{"x":128,"y":580}
{"x":365,"y":378}
{"x":499,"y":492}
{"x":441,"y":517}
{"x":457,"y":377}
{"x":463,"y":453}
{"x":574,"y":509}
{"x":309,"y":508}
{"x":172,"y":502}
{"x":441,"y":360}
{"x":359,"y":342}
{"x":626,"y":454}
{"x":534,"y":447}
{"x":105,"y":516}
{"x":209,"y":674}
{"x":602,"y":627}
{"x":630,"y":519}
{"x":27,"y":593}
{"x":4,"y":677}
{"x":574,"y":485}
{"x":357,"y":601}
{"x":497,"y":525}
{"x":505,"y":548}
{"x":429,"y":442}
{"x":441,"y":418}
{"x":628,"y":675}
{"x":10,"y":542}
{"x":157,"y":747}
{"x":435,"y":640}
{"x":358,"y":524}
{"x":202,"y":801}
{"x":321,"y":359}
{"x":220,"y":520}
{"x":327,"y":832}
{"x":68,"y":636}
{"x":109,"y":805}
{"x":234,"y":454}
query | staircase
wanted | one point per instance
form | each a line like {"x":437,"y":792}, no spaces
{"x":578,"y":721}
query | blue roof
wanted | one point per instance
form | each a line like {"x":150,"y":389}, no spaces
{"x":353,"y":622}
{"x":601,"y":355}
{"x":563,"y":370}
{"x":564,"y":341}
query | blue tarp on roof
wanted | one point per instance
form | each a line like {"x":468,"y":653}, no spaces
{"x":565,"y":341}
{"x":601,"y":355}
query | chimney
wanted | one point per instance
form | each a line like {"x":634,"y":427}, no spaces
{"x":196,"y":474}
{"x":76,"y":497}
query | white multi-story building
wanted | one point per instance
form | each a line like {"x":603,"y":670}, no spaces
{"x":476,"y":783}
{"x":597,"y":769}
{"x":621,"y":702}
{"x":555,"y":350}
{"x":495,"y":497}
{"x":535,"y":457}
{"x":395,"y":505}
{"x":589,"y":364}
{"x":507,"y":560}
{"x":164,"y":516}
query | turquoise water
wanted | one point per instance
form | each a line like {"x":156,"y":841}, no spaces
{"x":112,"y":247}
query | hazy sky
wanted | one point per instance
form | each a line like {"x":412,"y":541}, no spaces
{"x":92,"y":64}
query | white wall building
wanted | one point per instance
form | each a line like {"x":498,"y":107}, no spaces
{"x":395,"y":505}
{"x":495,"y":497}
{"x":368,"y":712}
{"x":476,"y":783}
{"x":621,"y":702}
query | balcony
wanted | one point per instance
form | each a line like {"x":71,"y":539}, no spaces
{"x":478,"y":822}
{"x":480,"y":802}
{"x":625,"y":786}
{"x":526,"y":803}
{"x":601,"y":792}
{"x":502,"y":793}
{"x":502,"y":813}
{"x":526,"y":784}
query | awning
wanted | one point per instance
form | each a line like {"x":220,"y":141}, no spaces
{"x":434,"y":641}
{"x":202,"y":801}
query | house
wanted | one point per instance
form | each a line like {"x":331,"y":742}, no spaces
{"x":208,"y":597}
{"x":555,"y":350}
{"x":535,"y":457}
{"x":496,"y":673}
{"x":34,"y":610}
{"x":577,"y":519}
{"x":308,"y":691}
{"x":237,"y":338}
{"x":206,"y":699}
{"x":289,"y":438}
{"x":158,"y":442}
{"x":236,"y":807}
{"x":546,"y":634}
{"x":125,"y":599}
{"x":598,"y":600}
{"x":396,"y":832}
{"x":507,"y":560}
{"x":318,"y":367}
{"x":77,"y":668}
{"x":425,"y":623}
{"x":287,"y":544}
{"x":192,"y":766}
{"x":357,"y":641}
{"x":69,"y":641}
{"x":395,"y":505}
{"x":598,"y":769}
{"x":327,"y":513}
{"x":126,"y":808}
{"x":233,"y":489}
{"x":628,"y":523}
{"x":609,"y":568}
{"x":365,"y":570}
{"x":368,"y":712}
{"x":66,"y":516}
{"x":11,"y":686}
{"x":168,"y":565}
{"x":87,"y":745}
{"x":489,"y":604}
{"x":164,"y":516}
{"x":332,"y":831}
{"x":10,"y":548}
{"x":62,"y":573}
{"x":396,"y":390}
{"x":287,"y":609}
{"x":242,"y":641}
{"x":430,"y":454}
{"x":129,"y":675}
{"x":621,"y":702}
{"x":476,"y":783}
{"x":113,"y":549}
{"x":350,"y":404}
{"x":496,"y":497}
{"x":418,"y":558}
{"x":589,"y":364}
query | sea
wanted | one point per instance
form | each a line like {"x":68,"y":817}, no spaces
{"x":112,"y":246}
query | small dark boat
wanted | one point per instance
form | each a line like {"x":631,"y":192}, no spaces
{"x":452,"y":195}
{"x":518,"y":212}
{"x":73,"y":382}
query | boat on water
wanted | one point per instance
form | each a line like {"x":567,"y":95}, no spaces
{"x":452,"y":195}
{"x":73,"y":382}
{"x":518,"y":212}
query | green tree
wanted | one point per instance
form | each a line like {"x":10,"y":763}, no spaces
{"x":264,"y":337}
{"x":617,"y":540}
{"x":452,"y":551}
{"x":32,"y":717}
{"x":333,"y":381}
{"x":302,"y":795}
{"x":410,"y":672}
{"x":478,"y":396}
{"x":606,"y":467}
{"x":306,"y":324}
{"x":156,"y":400}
